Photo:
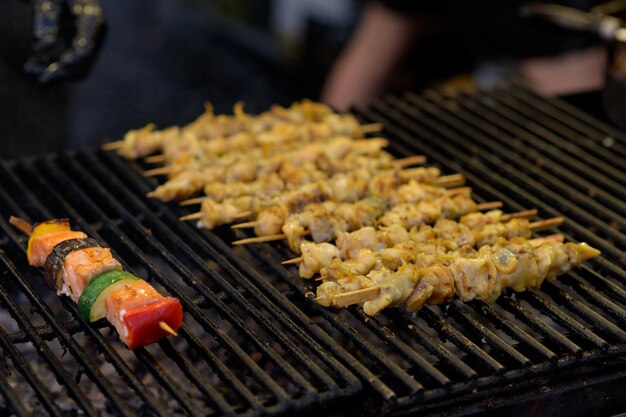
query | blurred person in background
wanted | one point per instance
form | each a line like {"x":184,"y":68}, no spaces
{"x":488,"y":37}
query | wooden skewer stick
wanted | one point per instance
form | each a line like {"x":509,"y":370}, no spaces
{"x":155,"y":159}
{"x":25,"y":227}
{"x":355,"y":297}
{"x":369,"y":293}
{"x":293,"y":261}
{"x":192,"y":216}
{"x":546,"y":239}
{"x":112,"y":146}
{"x":489,"y":206}
{"x":157,"y":171}
{"x":245,"y":225}
{"x":372,"y":128}
{"x":21,"y":225}
{"x":195,"y":200}
{"x":243,"y":214}
{"x":167,"y":328}
{"x":454,"y":180}
{"x":260,"y":239}
{"x":198,"y":215}
{"x":410,"y":160}
{"x":546,"y":224}
{"x":460,"y":190}
{"x":526,"y":214}
{"x":268,"y":238}
{"x":382,"y":142}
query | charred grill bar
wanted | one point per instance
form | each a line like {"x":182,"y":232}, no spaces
{"x":252,"y":344}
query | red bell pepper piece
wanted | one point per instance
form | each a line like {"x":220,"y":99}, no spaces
{"x":142,"y":322}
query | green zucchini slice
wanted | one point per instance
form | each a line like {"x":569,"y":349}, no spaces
{"x":91,"y":302}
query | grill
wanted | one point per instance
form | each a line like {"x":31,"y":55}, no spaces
{"x":253,"y":344}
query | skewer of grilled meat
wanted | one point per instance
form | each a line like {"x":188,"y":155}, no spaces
{"x":371,"y":211}
{"x":312,"y":162}
{"x":353,"y":168}
{"x":515,"y":264}
{"x":359,"y":251}
{"x":273,"y":208}
{"x":320,"y":121}
{"x":408,"y":186}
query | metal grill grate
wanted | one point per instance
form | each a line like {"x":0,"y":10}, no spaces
{"x":252,"y":344}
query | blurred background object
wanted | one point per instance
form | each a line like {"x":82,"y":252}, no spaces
{"x":163,"y":58}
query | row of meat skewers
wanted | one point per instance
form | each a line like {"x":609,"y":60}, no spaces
{"x":403,"y":235}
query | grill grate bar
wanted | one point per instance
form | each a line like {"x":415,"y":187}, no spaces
{"x":409,"y":354}
{"x":605,"y":304}
{"x":346,"y":329}
{"x":22,"y":365}
{"x":74,"y":391}
{"x":201,"y":382}
{"x":435,"y":347}
{"x":488,"y":336}
{"x":519,"y":111}
{"x":496,"y":123}
{"x":14,"y":400}
{"x":534,"y":322}
{"x":448,"y":332}
{"x":569,"y":114}
{"x":514,"y":331}
{"x":173,"y":387}
{"x":585,"y":312}
{"x":564,"y":319}
{"x":612,"y":288}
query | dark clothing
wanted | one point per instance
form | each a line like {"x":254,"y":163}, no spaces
{"x":495,"y":29}
{"x":32,"y":119}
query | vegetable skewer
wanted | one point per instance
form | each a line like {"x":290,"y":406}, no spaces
{"x":80,"y":268}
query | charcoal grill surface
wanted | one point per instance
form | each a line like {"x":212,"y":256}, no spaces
{"x":252,"y":344}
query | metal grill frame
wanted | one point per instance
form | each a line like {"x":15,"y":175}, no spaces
{"x":454,"y":360}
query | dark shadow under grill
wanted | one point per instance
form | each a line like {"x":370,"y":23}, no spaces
{"x":252,"y":344}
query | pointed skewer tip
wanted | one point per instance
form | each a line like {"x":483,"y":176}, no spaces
{"x":163,"y":325}
{"x":293,"y":261}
